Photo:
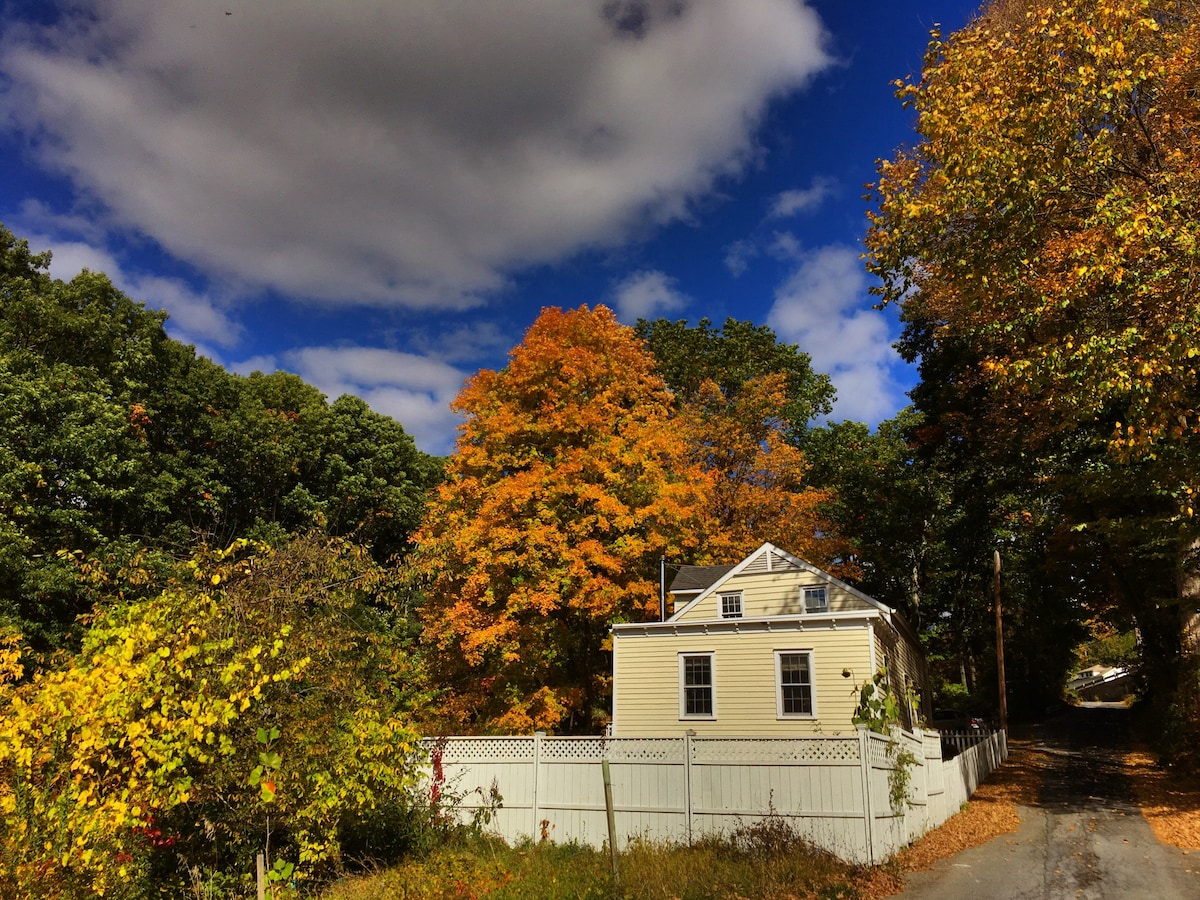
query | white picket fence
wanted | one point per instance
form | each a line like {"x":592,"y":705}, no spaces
{"x":834,"y":791}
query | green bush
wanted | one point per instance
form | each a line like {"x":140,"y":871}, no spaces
{"x":255,"y":705}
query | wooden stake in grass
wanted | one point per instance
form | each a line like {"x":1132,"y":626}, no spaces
{"x":612,"y":822}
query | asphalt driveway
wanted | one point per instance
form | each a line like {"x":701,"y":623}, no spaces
{"x":1085,"y":837}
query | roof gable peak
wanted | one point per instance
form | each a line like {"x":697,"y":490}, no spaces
{"x":769,"y":558}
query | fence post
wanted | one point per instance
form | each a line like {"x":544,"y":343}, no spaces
{"x":919,"y":734}
{"x":537,"y":777}
{"x":864,"y":759}
{"x":687,"y":782}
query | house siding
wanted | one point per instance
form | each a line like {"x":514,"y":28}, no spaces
{"x":905,"y":665}
{"x":646,"y":675}
{"x":772,"y":594}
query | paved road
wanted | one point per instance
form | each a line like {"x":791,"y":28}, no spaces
{"x":1085,"y":838}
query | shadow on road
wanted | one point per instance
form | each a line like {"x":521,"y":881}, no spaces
{"x":1083,"y":759}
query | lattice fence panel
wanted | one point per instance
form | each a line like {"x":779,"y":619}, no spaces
{"x":878,"y":751}
{"x":482,"y":749}
{"x":572,"y":749}
{"x":645,"y":749}
{"x":774,"y":750}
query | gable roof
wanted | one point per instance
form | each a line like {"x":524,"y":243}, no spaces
{"x":693,"y":579}
{"x":763,"y":559}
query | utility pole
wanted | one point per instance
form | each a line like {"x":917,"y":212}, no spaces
{"x":1000,"y":650}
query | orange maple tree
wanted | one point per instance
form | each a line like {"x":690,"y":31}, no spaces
{"x":570,"y":478}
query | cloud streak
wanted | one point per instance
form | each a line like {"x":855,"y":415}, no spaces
{"x":801,"y":200}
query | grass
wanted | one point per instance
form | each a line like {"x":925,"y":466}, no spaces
{"x":762,"y":861}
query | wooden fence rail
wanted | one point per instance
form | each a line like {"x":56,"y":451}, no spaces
{"x":834,"y":791}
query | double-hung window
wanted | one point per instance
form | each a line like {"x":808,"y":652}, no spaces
{"x":731,"y":605}
{"x":697,"y":693}
{"x":793,"y":684}
{"x":816,"y":600}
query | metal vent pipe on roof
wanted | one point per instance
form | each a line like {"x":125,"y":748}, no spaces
{"x":662,"y":588}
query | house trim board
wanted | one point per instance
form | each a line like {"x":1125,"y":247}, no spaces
{"x":850,"y":619}
{"x":613,"y":701}
{"x":874,"y":652}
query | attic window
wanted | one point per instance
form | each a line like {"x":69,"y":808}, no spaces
{"x":816,"y":600}
{"x":731,"y":606}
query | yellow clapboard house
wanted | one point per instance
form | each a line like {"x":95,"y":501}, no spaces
{"x":771,"y":646}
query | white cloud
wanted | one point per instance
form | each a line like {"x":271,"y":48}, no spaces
{"x":785,"y":246}
{"x":647,"y":294}
{"x":399,"y":152}
{"x":426,"y":417}
{"x":791,"y":203}
{"x":194,"y":317}
{"x":266,"y":363}
{"x":738,"y":256}
{"x":414,"y":390}
{"x":824,"y":307}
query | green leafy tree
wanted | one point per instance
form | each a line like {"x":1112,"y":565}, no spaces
{"x":733,"y":356}
{"x":923,"y":519}
{"x":887,"y":500}
{"x":75,"y":359}
{"x":114,"y":438}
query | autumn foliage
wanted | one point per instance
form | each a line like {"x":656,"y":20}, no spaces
{"x":1046,"y":225}
{"x":1042,"y":239}
{"x":569,"y":480}
{"x":574,"y":473}
{"x":756,"y":482}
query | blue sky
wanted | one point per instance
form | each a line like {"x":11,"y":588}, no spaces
{"x":381,"y":195}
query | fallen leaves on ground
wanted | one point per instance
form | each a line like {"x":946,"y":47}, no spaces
{"x":991,"y":811}
{"x":1170,"y":804}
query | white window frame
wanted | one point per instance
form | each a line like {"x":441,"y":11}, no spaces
{"x":824,"y":593}
{"x":731,"y":596}
{"x":684,"y":656}
{"x":812,"y":685}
